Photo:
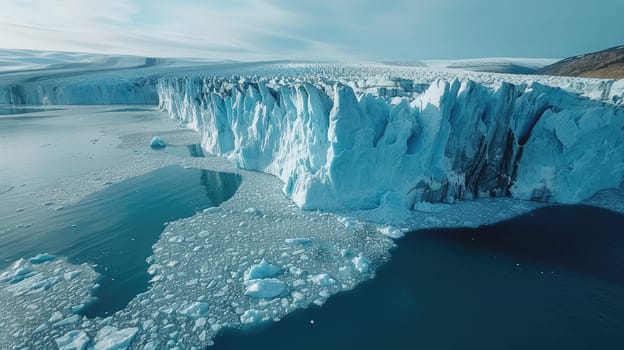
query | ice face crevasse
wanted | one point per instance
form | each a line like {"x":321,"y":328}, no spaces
{"x":336,"y":148}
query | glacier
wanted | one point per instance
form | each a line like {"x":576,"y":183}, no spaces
{"x":363,"y":136}
{"x":337,"y":147}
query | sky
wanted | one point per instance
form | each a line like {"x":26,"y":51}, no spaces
{"x":392,"y":30}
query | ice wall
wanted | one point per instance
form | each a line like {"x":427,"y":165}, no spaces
{"x":337,"y":147}
{"x":81,"y":92}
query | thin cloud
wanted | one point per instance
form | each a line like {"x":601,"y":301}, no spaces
{"x":320,"y":29}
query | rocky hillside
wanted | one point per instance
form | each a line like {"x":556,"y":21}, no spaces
{"x":607,"y":64}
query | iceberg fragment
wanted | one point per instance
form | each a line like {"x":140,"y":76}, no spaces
{"x":195,"y":310}
{"x":252,"y":316}
{"x":74,"y":340}
{"x":322,"y":280}
{"x":41,"y":258}
{"x":391,"y":232}
{"x":268,"y":288}
{"x":361,"y":263}
{"x":157,"y":142}
{"x":110,"y":338}
{"x":263,"y":269}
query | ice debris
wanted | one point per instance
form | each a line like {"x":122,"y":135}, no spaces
{"x":41,"y":258}
{"x":391,"y":232}
{"x":42,"y":295}
{"x":110,"y":338}
{"x":298,"y":241}
{"x":263,"y":269}
{"x":158,"y":142}
{"x":267,"y":288}
{"x":253,"y":316}
{"x":74,"y":340}
{"x":195,"y":310}
{"x":362,"y":263}
{"x":323,"y":280}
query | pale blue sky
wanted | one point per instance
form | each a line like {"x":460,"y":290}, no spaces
{"x":320,"y":29}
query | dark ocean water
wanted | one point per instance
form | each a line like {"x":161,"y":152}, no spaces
{"x":552,"y":279}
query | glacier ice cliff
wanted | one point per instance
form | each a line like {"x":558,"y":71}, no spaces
{"x":345,"y":136}
{"x":338,"y":147}
{"x":81,"y":92}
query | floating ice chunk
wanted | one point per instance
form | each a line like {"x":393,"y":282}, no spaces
{"x":253,"y":211}
{"x":158,"y":142}
{"x":200,"y":323}
{"x":252,"y":316}
{"x":24,"y":284}
{"x":70,"y":320}
{"x":76,"y":308}
{"x":74,"y":340}
{"x":391,"y":232}
{"x":264,"y":269}
{"x":56,"y":316}
{"x":153,"y":345}
{"x":265,"y":288}
{"x":349,"y":223}
{"x":41,"y":258}
{"x":46,"y":283}
{"x":299,"y":241}
{"x":211,"y":210}
{"x":71,"y":275}
{"x":361,"y":263}
{"x":109,"y":338}
{"x":346,"y":253}
{"x":299,"y":283}
{"x":176,"y":239}
{"x":195,"y":310}
{"x":42,"y":327}
{"x":322,"y":280}
{"x":15,"y":276}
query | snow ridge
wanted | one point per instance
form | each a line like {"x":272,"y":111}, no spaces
{"x":338,"y":147}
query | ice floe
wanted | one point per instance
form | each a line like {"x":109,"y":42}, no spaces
{"x":158,"y":142}
{"x":74,"y":340}
{"x":267,"y":288}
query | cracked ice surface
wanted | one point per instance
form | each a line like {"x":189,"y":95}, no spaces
{"x":39,"y":302}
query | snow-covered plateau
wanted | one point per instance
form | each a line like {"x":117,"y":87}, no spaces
{"x":405,"y":147}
